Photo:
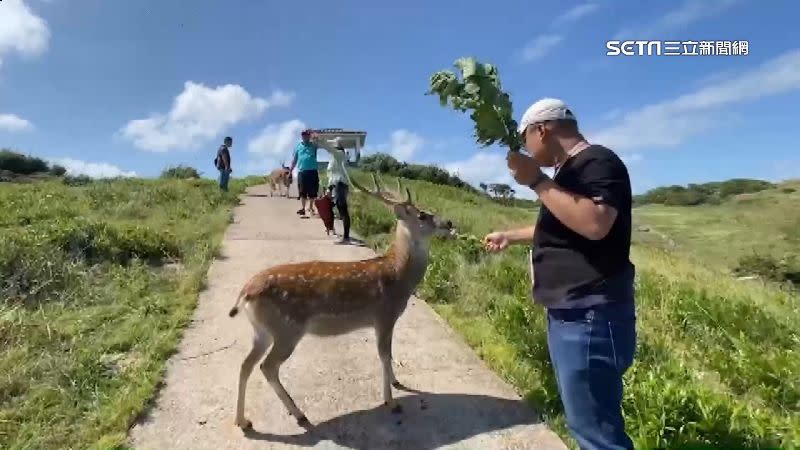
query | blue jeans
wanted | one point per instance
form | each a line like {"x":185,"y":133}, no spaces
{"x":224,"y":177}
{"x":591,"y":349}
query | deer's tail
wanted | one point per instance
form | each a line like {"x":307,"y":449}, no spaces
{"x":235,"y":309}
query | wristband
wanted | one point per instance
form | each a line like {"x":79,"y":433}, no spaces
{"x":542,"y":176}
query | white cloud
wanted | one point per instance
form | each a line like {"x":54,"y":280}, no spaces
{"x":91,"y":169}
{"x":539,"y":47}
{"x":21,"y":30}
{"x":403,"y":145}
{"x":275,"y":143}
{"x":11,"y":122}
{"x":671,"y":122}
{"x":688,"y":12}
{"x":488,"y":167}
{"x":482,"y":167}
{"x":575,"y":13}
{"x":198,"y":115}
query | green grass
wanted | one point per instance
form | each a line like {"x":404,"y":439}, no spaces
{"x":764,"y":223}
{"x":98,"y":281}
{"x":717,"y":359}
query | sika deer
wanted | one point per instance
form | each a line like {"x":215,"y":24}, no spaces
{"x":279,"y":178}
{"x":326,"y":298}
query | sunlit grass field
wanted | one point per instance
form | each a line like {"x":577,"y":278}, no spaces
{"x":97,"y":283}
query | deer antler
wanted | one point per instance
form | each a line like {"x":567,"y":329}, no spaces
{"x":377,"y":194}
{"x":400,"y":189}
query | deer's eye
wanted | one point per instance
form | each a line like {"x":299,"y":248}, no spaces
{"x":422,"y":216}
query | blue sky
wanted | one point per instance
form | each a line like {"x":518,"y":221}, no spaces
{"x":112,"y":87}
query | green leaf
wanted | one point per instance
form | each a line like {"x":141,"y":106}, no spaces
{"x":479,"y":90}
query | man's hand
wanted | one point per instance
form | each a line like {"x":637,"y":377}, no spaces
{"x":496,"y":242}
{"x":523,"y":168}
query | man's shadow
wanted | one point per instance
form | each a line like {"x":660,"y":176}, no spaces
{"x":428,"y":421}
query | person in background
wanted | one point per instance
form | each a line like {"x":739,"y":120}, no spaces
{"x":305,"y":159}
{"x":338,"y":183}
{"x":581,"y":268}
{"x":223,"y":163}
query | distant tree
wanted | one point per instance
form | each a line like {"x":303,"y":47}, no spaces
{"x":501,"y":191}
{"x":58,"y":170}
{"x":21,"y":164}
{"x":180,"y":171}
{"x":77,"y":180}
{"x":387,"y":164}
{"x":705,"y":193}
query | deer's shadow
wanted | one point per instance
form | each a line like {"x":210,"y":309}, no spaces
{"x":428,"y":421}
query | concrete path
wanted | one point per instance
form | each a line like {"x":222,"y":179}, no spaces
{"x":335,"y":381}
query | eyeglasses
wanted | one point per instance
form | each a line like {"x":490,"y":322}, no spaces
{"x":534,"y":124}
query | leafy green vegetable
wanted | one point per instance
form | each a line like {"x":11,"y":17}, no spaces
{"x":479,"y":90}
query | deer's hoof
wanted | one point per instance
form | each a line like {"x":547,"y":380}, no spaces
{"x":245,"y":425}
{"x":397,"y":385}
{"x":303,"y":422}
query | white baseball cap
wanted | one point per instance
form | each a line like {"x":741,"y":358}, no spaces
{"x":543,"y":110}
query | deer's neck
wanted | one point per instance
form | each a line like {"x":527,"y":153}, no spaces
{"x":408,"y":256}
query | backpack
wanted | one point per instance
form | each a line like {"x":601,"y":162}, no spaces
{"x":217,"y":159}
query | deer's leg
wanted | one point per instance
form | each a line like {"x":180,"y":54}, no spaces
{"x":278,"y":354}
{"x":384,"y":334}
{"x":260,"y":344}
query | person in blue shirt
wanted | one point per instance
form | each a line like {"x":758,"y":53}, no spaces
{"x":305,"y":159}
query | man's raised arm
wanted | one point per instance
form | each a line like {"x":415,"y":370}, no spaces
{"x":294,"y":160}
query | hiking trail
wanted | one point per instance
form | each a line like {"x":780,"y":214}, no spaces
{"x":461,"y":404}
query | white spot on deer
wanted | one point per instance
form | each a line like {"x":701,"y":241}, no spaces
{"x":285,"y":295}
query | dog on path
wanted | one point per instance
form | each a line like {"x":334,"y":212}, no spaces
{"x":280,"y":179}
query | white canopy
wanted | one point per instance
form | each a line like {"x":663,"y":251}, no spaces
{"x":349,"y":139}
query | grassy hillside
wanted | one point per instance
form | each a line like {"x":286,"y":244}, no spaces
{"x":97,"y":282}
{"x":717,"y":360}
{"x":762,"y":223}
{"x":99,"y":278}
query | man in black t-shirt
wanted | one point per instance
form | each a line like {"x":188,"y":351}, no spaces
{"x":223,"y":163}
{"x":581,"y":268}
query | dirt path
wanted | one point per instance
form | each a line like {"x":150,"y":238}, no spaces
{"x":335,"y":381}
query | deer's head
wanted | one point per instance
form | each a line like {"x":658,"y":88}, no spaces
{"x":421,"y":224}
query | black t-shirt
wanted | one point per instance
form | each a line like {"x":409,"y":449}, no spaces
{"x":569,"y":270}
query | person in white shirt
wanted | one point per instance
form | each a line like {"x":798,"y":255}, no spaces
{"x":338,"y":182}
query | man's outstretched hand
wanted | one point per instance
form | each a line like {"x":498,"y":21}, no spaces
{"x":496,"y":242}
